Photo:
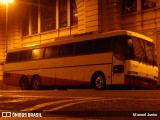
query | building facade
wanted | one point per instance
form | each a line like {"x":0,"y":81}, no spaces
{"x":34,"y":22}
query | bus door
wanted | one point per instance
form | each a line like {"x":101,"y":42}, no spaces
{"x":117,"y":71}
{"x":119,"y":51}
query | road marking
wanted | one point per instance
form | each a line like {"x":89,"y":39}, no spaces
{"x":69,"y":101}
{"x":140,"y":99}
{"x":74,"y":101}
{"x":54,"y":103}
{"x":69,"y":104}
{"x":78,"y":102}
{"x":18,"y":100}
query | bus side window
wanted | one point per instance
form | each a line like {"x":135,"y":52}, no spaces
{"x":102,"y":45}
{"x":119,"y":47}
{"x":12,"y":57}
{"x":84,"y":48}
{"x":66,"y":50}
{"x":51,"y":52}
{"x":24,"y":55}
{"x":37,"y":53}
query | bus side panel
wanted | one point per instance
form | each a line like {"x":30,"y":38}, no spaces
{"x":47,"y":76}
{"x":78,"y":76}
{"x":11,"y":78}
{"x":90,"y":70}
{"x":63,"y":71}
{"x":63,"y":76}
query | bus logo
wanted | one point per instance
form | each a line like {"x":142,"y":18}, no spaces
{"x":6,"y":114}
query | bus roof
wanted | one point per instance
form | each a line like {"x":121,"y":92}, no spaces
{"x":127,"y":32}
{"x":86,"y":36}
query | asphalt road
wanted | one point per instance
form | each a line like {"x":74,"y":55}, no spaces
{"x":81,"y":104}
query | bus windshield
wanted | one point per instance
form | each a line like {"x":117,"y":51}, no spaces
{"x":141,"y":50}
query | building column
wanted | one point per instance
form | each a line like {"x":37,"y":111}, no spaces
{"x":114,"y":14}
{"x":81,"y":16}
{"x":57,"y":14}
{"x":88,"y":16}
{"x":68,"y":13}
{"x":39,"y":17}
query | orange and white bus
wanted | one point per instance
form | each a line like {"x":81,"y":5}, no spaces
{"x":114,"y":58}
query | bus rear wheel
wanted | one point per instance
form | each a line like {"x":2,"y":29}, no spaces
{"x":99,"y":81}
{"x":36,"y":83}
{"x":24,"y":83}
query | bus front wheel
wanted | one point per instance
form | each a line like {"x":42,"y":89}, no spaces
{"x":99,"y":81}
{"x":24,"y":83}
{"x":36,"y":83}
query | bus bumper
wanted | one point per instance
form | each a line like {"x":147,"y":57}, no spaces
{"x":140,"y":82}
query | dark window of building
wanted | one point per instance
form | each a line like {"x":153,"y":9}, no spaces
{"x":62,"y":13}
{"x":25,"y":22}
{"x":25,"y":55}
{"x":129,"y":6}
{"x":51,"y":52}
{"x":48,"y":15}
{"x":34,"y":16}
{"x":147,"y":4}
{"x":74,"y":13}
{"x":37,"y":53}
{"x":66,"y":50}
{"x":12,"y":57}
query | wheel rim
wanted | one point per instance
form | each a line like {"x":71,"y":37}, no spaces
{"x":99,"y":82}
{"x":24,"y":84}
{"x":36,"y":84}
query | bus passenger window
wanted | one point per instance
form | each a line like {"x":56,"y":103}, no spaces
{"x":37,"y":53}
{"x":66,"y":50}
{"x":85,"y":47}
{"x":12,"y":57}
{"x":51,"y":52}
{"x":102,"y":45}
{"x":25,"y":55}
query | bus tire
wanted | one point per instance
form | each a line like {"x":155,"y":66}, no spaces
{"x":99,"y":81}
{"x":36,"y":83}
{"x":24,"y":83}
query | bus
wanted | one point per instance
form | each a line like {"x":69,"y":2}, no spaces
{"x":98,"y":60}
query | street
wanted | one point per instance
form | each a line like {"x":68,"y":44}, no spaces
{"x":90,"y":103}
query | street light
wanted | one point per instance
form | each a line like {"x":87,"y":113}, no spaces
{"x":6,"y":2}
